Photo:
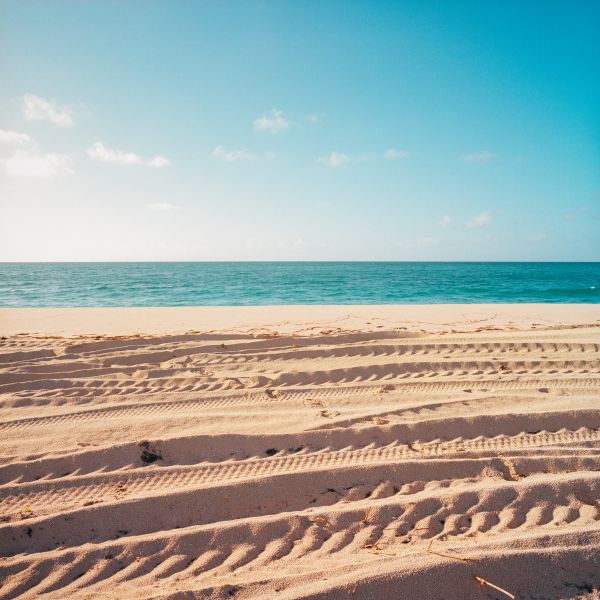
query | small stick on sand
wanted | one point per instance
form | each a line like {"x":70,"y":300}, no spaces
{"x":447,"y":555}
{"x":377,"y":549}
{"x":483,"y":581}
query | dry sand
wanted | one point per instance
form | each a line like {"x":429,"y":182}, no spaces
{"x":300,"y":452}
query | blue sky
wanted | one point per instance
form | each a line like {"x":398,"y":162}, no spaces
{"x":181,"y":130}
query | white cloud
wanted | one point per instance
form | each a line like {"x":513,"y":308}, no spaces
{"x":98,"y":151}
{"x":444,"y":221}
{"x":313,"y":118}
{"x":36,"y":164}
{"x":479,"y":220}
{"x":538,"y":237}
{"x":477,"y":157}
{"x":392,"y":153}
{"x":272,"y":121}
{"x":233,"y":155}
{"x":14,"y":138}
{"x":158,"y":162}
{"x":162,"y":206}
{"x":335,"y":160}
{"x":39,"y":109}
{"x":339,"y":159}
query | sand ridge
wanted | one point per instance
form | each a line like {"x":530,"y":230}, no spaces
{"x":393,"y":463}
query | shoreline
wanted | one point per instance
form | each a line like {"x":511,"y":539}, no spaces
{"x":292,"y":319}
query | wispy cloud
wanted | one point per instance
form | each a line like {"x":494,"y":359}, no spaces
{"x":158,"y":162}
{"x":392,"y":154}
{"x":233,"y":155}
{"x":479,"y":220}
{"x":29,"y":161}
{"x":313,"y":118}
{"x":477,"y":157}
{"x":36,"y":108}
{"x":36,"y":164}
{"x":162,"y":206}
{"x":538,"y":237}
{"x":273,"y":122}
{"x":573,"y":214}
{"x":14,"y":138}
{"x":335,"y":160}
{"x":364,"y":157}
{"x":444,"y":221}
{"x":98,"y":151}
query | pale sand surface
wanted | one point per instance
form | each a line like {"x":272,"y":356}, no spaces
{"x":298,"y":452}
{"x":289,"y":319}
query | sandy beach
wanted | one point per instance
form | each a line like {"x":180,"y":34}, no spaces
{"x":324,"y":452}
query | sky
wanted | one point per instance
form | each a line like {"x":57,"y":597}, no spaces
{"x":312,"y":130}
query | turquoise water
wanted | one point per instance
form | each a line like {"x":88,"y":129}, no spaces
{"x":239,"y":283}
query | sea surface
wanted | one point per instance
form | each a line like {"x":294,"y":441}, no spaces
{"x":267,"y":283}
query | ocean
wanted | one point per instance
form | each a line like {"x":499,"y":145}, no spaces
{"x":269,"y":283}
